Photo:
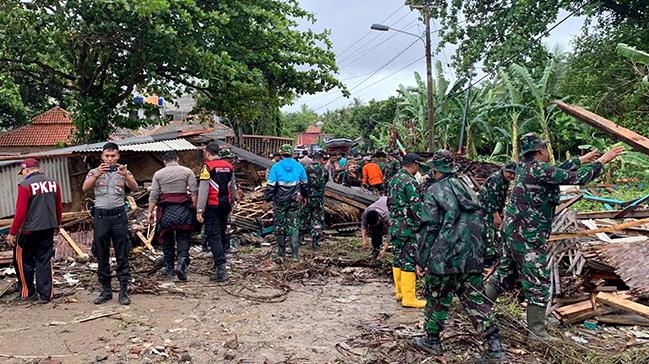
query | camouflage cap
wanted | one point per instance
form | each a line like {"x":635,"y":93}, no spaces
{"x":225,"y":153}
{"x":442,"y":161}
{"x":510,"y":167}
{"x":531,"y":142}
{"x":286,"y":149}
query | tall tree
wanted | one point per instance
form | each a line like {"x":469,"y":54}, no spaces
{"x":246,"y":58}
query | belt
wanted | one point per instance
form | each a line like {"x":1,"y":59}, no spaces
{"x":110,"y":212}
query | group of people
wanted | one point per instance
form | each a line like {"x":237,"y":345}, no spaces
{"x":447,"y":234}
{"x":177,"y":202}
{"x":441,"y":230}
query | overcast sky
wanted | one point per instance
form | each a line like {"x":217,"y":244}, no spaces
{"x":349,"y":22}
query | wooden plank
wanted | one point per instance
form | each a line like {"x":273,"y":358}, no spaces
{"x":575,"y":308}
{"x":622,"y":303}
{"x":72,"y":243}
{"x":586,"y":315}
{"x":568,"y":204}
{"x":131,"y":202}
{"x":610,"y":229}
{"x":631,"y":207}
{"x":593,"y":226}
{"x":636,"y":214}
{"x":623,"y":319}
{"x":6,"y":257}
{"x":615,"y":131}
{"x":145,"y":241}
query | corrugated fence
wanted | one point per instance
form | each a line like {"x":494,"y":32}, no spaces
{"x":56,"y":168}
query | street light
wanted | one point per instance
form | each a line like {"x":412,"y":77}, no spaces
{"x":429,"y":72}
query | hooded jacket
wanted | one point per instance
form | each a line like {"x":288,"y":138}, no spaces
{"x":286,"y":179}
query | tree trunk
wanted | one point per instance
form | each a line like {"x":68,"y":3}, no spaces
{"x":515,"y":156}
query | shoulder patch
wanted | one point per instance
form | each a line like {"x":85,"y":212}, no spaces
{"x":205,"y":173}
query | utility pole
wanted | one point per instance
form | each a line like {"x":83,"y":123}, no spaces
{"x":465,"y":114}
{"x":429,"y":81}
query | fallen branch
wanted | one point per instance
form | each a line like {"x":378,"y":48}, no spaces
{"x":610,"y":229}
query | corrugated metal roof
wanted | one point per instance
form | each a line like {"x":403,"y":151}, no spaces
{"x":56,"y":168}
{"x":159,"y":146}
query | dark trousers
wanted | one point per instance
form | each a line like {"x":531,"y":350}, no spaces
{"x":216,"y":222}
{"x":111,"y":225}
{"x":33,"y":259}
{"x":176,"y":241}
{"x":377,"y":232}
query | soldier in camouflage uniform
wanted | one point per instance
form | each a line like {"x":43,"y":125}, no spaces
{"x":528,"y":222}
{"x":492,"y":196}
{"x":451,"y":255}
{"x":286,"y":189}
{"x":404,"y":206}
{"x":312,"y":215}
{"x":392,"y":166}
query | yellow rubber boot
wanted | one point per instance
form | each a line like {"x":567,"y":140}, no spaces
{"x":396,"y":274}
{"x":408,"y":284}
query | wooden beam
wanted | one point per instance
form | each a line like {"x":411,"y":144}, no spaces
{"x":615,"y":131}
{"x":623,"y":304}
{"x":635,"y":214}
{"x":631,"y":207}
{"x":146,"y":242}
{"x":623,"y":319}
{"x":72,"y":243}
{"x":610,"y":229}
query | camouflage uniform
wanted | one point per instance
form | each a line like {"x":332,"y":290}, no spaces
{"x":492,"y":196}
{"x":452,"y":249}
{"x":391,"y":169}
{"x":286,"y":218}
{"x":404,"y":205}
{"x":528,"y":222}
{"x":312,"y":215}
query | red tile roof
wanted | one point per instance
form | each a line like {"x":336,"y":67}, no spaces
{"x":313,"y":129}
{"x":46,"y":129}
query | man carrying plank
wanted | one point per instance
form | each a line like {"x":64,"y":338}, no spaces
{"x":38,"y":213}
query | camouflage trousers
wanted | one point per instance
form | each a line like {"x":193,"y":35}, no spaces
{"x":524,"y":258}
{"x":405,"y":252}
{"x":493,"y":243}
{"x":312,"y":219}
{"x":469,"y":289}
{"x":286,"y":218}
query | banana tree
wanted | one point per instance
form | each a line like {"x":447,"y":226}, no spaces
{"x":515,"y":104}
{"x":636,"y":56}
{"x":541,"y":96}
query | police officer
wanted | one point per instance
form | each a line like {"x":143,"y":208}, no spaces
{"x":528,"y":222}
{"x":38,"y":213}
{"x":216,"y":196}
{"x":173,"y":192}
{"x":110,"y":181}
{"x":451,"y":255}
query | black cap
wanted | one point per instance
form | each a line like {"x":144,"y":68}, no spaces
{"x":412,"y":158}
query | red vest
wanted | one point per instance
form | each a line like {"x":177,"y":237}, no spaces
{"x":221,"y":175}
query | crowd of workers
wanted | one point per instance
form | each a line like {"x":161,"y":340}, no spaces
{"x":438,"y":227}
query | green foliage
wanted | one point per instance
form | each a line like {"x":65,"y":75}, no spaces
{"x":246,"y":59}
{"x":297,"y":122}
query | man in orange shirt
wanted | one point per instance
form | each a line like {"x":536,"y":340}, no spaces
{"x":372,"y":176}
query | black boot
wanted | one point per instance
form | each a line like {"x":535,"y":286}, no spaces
{"x":168,"y":270}
{"x":181,"y":269}
{"x":281,"y":246}
{"x":105,"y":295}
{"x":220,"y":274}
{"x":123,"y":294}
{"x":430,"y":344}
{"x":295,"y":246}
{"x":495,"y":352}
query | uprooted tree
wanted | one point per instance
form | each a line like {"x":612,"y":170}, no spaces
{"x":246,"y":58}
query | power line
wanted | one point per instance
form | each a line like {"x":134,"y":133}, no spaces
{"x":369,"y":31}
{"x":510,"y":58}
{"x":371,"y":75}
{"x":390,"y":75}
{"x":368,"y":43}
{"x":375,"y":47}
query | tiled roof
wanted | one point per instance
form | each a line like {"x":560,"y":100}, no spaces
{"x":55,"y":115}
{"x":313,"y":129}
{"x":47,"y":129}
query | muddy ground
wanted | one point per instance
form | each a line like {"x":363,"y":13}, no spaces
{"x":333,"y":307}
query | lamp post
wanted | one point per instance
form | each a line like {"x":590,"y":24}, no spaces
{"x":429,"y":72}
